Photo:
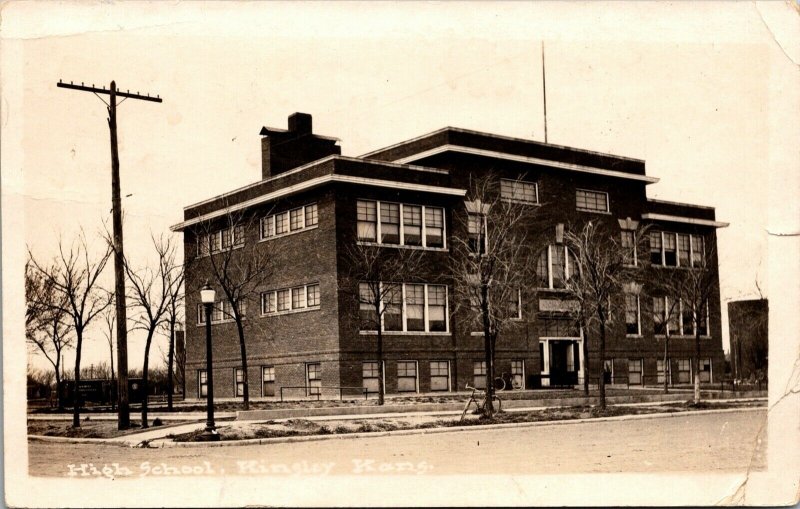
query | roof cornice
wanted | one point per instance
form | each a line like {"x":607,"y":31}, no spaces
{"x":682,"y":219}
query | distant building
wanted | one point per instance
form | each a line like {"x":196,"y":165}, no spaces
{"x":749,"y":334}
{"x":312,"y":202}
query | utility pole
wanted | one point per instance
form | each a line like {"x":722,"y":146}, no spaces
{"x":544,"y":95}
{"x":123,"y":405}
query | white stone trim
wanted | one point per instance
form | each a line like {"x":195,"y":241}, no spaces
{"x":681,"y":219}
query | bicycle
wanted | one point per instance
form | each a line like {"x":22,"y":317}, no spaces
{"x":480,"y":406}
{"x":506,"y":381}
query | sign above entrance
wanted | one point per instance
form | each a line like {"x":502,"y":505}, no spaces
{"x":558,"y":305}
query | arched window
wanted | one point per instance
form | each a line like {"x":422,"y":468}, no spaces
{"x":555,"y":266}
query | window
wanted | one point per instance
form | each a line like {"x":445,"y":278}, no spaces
{"x":227,"y":238}
{"x":608,"y":371}
{"x":635,"y":371}
{"x":688,"y":321}
{"x":515,"y":305}
{"x":415,"y":307}
{"x":284,"y":304}
{"x":407,"y":376}
{"x":519,"y":191}
{"x":660,"y":372}
{"x":518,"y":373}
{"x":670,"y":250}
{"x":591,"y":201}
{"x":629,"y":247}
{"x":393,"y":311}
{"x":412,"y":225}
{"x":555,"y":266}
{"x":296,"y":219}
{"x":698,"y":250}
{"x":684,"y":255}
{"x":290,"y":299}
{"x":673,"y":320}
{"x":655,"y":248}
{"x":202,"y":245}
{"x":202,"y":383}
{"x":268,"y":227}
{"x":366,"y":306}
{"x":221,"y":311}
{"x":684,"y":371}
{"x":704,"y":370}
{"x":659,"y":316}
{"x":479,"y":374}
{"x":367,"y":220}
{"x":476,"y":226}
{"x":370,"y":376}
{"x":281,"y":223}
{"x":632,"y":325}
{"x":434,"y":227}
{"x":702,"y":322}
{"x":299,"y":297}
{"x":312,"y":298}
{"x":238,"y":377}
{"x":440,"y":375}
{"x":313,"y":379}
{"x":267,"y":380}
{"x":390,"y":223}
{"x":406,"y":308}
{"x":224,"y":239}
{"x":437,"y":308}
{"x":201,"y":314}
{"x":311,"y":215}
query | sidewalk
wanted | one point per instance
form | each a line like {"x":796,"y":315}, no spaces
{"x":158,"y":433}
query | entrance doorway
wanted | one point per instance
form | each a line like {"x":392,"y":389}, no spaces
{"x":563,"y":359}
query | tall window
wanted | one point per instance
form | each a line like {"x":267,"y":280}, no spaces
{"x":281,"y":223}
{"x":519,"y":191}
{"x":290,"y":299}
{"x":220,"y":240}
{"x":632,"y":325}
{"x":656,"y":246}
{"x":476,"y":226}
{"x":434,"y":227}
{"x":407,"y":376}
{"x":705,"y":370}
{"x":591,"y":201}
{"x":238,"y":376}
{"x":312,"y":217}
{"x":202,"y":381}
{"x":629,"y":247}
{"x":367,"y":220}
{"x":555,"y":266}
{"x":515,"y":305}
{"x":676,"y":249}
{"x":296,"y":219}
{"x":479,"y":374}
{"x":437,"y":308}
{"x":702,"y":322}
{"x":313,"y":379}
{"x":393,"y":312}
{"x":440,"y":375}
{"x":415,"y":307}
{"x":687,"y":329}
{"x":698,"y":250}
{"x":412,"y":225}
{"x":267,"y":380}
{"x":684,"y":251}
{"x":659,"y":316}
{"x":390,"y":223}
{"x":518,"y":373}
{"x":670,"y":250}
{"x":366,"y":307}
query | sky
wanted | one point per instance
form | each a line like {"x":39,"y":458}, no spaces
{"x":699,"y":91}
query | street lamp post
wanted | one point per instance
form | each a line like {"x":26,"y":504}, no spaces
{"x":207,"y":297}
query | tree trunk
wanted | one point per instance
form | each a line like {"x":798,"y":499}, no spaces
{"x":59,"y":397}
{"x":602,"y":362}
{"x":113,"y":375}
{"x":76,"y":410}
{"x":585,"y":348}
{"x":145,"y":390}
{"x":170,"y":361}
{"x":666,"y":361}
{"x":697,"y":365}
{"x":381,"y":388}
{"x":243,"y":349}
{"x":489,"y":354}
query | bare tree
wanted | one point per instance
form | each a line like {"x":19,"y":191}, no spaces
{"x":109,"y":320}
{"x":664,"y":287}
{"x":174,"y":316}
{"x":493,"y":260}
{"x":604,"y":268}
{"x":150,"y":291}
{"x":74,"y":277}
{"x":239,"y":265}
{"x":374,"y":277}
{"x":47,"y":328}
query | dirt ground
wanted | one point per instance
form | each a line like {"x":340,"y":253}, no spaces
{"x":88,"y":429}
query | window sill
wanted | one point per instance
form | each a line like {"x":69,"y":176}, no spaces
{"x":220,"y":322}
{"x":634,"y":336}
{"x":402,"y":246}
{"x":604,"y":212}
{"x":291,"y":311}
{"x":293,"y":232}
{"x":681,"y":336}
{"x":402,"y":333}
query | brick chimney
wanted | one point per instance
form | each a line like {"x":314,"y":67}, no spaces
{"x":285,"y":149}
